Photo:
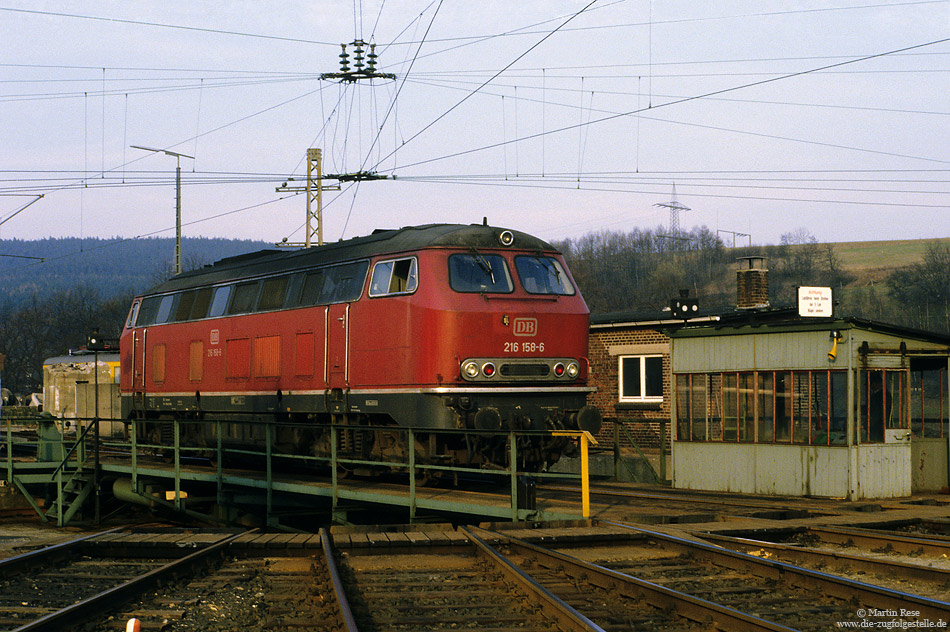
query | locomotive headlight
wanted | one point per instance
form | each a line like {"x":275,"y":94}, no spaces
{"x":488,"y":369}
{"x":573,"y":370}
{"x":470,"y":370}
{"x":558,"y":370}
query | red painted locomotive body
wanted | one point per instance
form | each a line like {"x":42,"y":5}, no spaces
{"x":439,"y":326}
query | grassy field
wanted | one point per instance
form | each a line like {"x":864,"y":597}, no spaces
{"x":872,"y":261}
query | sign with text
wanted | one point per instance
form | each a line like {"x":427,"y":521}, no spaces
{"x":815,"y":302}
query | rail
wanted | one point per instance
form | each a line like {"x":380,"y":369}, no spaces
{"x":51,"y":444}
{"x":857,"y":592}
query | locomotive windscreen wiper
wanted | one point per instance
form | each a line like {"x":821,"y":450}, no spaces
{"x":483,"y":262}
{"x":550,"y":267}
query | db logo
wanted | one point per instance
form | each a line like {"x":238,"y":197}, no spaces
{"x":526,"y":326}
{"x":215,"y":336}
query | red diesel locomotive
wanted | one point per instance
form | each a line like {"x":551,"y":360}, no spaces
{"x":431,"y":327}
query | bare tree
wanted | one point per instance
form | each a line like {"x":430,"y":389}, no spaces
{"x":922,"y":290}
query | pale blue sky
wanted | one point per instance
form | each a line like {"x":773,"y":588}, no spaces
{"x":858,"y":151}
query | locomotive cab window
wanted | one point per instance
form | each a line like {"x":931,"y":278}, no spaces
{"x":133,"y":313}
{"x":543,"y":275}
{"x":148,"y":311}
{"x":394,"y":277}
{"x":477,"y":272}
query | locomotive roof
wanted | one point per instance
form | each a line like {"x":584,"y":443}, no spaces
{"x":380,"y":242}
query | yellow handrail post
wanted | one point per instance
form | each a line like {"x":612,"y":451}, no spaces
{"x":585,"y":478}
{"x":585,"y":439}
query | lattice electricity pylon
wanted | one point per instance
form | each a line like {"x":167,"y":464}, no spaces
{"x":314,"y":190}
{"x":675,"y":208}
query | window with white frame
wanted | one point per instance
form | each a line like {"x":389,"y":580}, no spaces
{"x":640,"y":378}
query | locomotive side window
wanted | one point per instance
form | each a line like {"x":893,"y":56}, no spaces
{"x":220,"y":301}
{"x":543,"y":275}
{"x":272,"y":293}
{"x":164,"y":309}
{"x":394,"y":277}
{"x":245,"y":295}
{"x":475,"y":272}
{"x":344,"y":283}
{"x":199,"y":309}
{"x":185,"y":304}
{"x":312,"y":287}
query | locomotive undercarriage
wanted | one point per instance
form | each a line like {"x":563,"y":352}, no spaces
{"x":464,"y":428}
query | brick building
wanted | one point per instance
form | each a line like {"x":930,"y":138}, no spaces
{"x":630,"y":366}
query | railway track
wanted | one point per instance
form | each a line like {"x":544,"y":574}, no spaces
{"x":921,"y":575}
{"x":54,"y":587}
{"x":182,"y":581}
{"x":777,"y":591}
{"x":274,"y":592}
{"x":697,"y":587}
{"x":875,"y":539}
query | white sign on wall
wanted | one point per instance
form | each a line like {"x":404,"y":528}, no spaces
{"x":815,"y":302}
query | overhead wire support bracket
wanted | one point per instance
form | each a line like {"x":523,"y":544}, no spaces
{"x":360,"y":69}
{"x":36,"y":198}
{"x":23,"y":257}
{"x":360,"y":176}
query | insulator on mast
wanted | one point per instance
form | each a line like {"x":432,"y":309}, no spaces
{"x":344,"y":60}
{"x":358,"y":55}
{"x":371,"y":64}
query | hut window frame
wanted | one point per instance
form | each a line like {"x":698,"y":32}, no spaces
{"x":647,"y":384}
{"x":810,"y":408}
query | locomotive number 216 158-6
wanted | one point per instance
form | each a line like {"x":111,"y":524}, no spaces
{"x":524,"y":347}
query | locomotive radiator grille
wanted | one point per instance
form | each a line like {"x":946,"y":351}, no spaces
{"x":524,"y":370}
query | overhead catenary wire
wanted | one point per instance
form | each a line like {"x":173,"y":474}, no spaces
{"x":584,"y":126}
{"x":165,"y":26}
{"x":569,"y":185}
{"x":686,"y":100}
{"x":388,"y":112}
{"x":640,"y":116}
{"x":613,"y":25}
{"x":509,"y":65}
{"x":756,"y":14}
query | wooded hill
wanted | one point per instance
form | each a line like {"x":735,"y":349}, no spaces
{"x":115,"y":267}
{"x":51,"y":306}
{"x":905,"y":283}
